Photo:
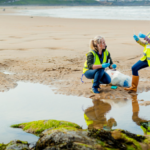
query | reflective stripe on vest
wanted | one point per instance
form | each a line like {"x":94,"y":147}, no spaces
{"x":144,"y":54}
{"x":96,"y":60}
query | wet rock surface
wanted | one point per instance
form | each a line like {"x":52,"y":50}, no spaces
{"x":63,"y":138}
{"x":92,"y":139}
{"x":15,"y":145}
{"x":70,"y":136}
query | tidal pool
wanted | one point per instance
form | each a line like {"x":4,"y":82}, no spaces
{"x":31,"y":102}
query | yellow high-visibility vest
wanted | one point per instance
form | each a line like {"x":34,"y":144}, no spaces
{"x":146,"y":132}
{"x":87,"y":120}
{"x":146,"y":52}
{"x":96,"y":60}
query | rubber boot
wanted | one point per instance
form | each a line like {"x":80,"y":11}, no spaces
{"x":135,"y":81}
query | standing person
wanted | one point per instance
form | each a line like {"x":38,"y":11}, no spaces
{"x":142,"y":63}
{"x":97,"y":60}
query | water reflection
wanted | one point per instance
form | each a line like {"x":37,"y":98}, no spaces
{"x":95,"y":116}
{"x":30,"y":102}
{"x":120,"y":113}
{"x":135,"y":116}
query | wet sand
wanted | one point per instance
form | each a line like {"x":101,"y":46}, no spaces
{"x":52,"y":51}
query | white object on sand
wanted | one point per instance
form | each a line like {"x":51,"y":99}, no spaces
{"x":119,"y":79}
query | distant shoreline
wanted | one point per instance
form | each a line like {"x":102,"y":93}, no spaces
{"x":134,"y":3}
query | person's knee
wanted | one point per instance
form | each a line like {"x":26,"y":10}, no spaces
{"x":101,"y":71}
{"x":133,"y":68}
{"x":108,"y":80}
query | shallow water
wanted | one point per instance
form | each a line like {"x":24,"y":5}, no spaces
{"x":122,"y":113}
{"x":92,"y":12}
{"x":30,"y":102}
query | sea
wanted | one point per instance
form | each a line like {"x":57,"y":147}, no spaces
{"x":91,"y":12}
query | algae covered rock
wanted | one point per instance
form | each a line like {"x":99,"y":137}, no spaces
{"x":92,"y":139}
{"x":37,"y":127}
{"x":15,"y":145}
{"x":63,"y":135}
{"x":121,"y":140}
{"x":66,"y":138}
{"x":2,"y":146}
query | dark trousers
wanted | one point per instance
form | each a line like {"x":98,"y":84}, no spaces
{"x":99,"y":76}
{"x":139,"y":65}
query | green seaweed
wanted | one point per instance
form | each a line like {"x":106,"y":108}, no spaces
{"x":130,"y":148}
{"x":37,"y":127}
{"x":2,"y":146}
{"x":147,"y":140}
{"x":122,"y":141}
{"x":130,"y":140}
{"x":101,"y":143}
{"x":138,"y":138}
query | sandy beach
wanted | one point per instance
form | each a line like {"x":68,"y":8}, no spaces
{"x":52,"y":51}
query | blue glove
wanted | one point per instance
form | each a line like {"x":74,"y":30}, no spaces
{"x":105,"y":65}
{"x":114,"y":66}
{"x":135,"y":38}
{"x":142,"y":35}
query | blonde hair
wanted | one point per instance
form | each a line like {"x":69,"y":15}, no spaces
{"x":94,"y":42}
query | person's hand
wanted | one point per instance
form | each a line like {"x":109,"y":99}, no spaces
{"x":114,"y":66}
{"x":142,"y":35}
{"x":105,"y":65}
{"x":135,"y":38}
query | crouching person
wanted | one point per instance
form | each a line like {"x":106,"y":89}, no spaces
{"x":97,"y":60}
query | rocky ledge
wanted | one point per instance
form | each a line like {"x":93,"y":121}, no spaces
{"x":63,"y":135}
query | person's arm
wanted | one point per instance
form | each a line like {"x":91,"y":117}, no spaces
{"x":96,"y":67}
{"x":109,"y":60}
{"x":139,"y":41}
{"x":147,"y":39}
{"x":112,"y":65}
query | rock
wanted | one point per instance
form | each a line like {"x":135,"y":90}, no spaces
{"x":17,"y":145}
{"x":32,"y":145}
{"x":66,"y":138}
{"x":37,"y":127}
{"x":116,"y":134}
{"x":63,"y":135}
